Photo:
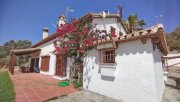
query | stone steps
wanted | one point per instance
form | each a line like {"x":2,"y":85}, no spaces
{"x":173,"y":80}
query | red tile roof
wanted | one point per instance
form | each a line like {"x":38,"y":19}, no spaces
{"x":94,"y":15}
{"x":152,"y":32}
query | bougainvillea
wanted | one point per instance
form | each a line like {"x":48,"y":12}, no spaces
{"x":73,"y":40}
{"x":113,"y":34}
{"x":76,"y":38}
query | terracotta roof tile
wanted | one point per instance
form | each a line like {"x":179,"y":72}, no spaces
{"x":156,"y":32}
{"x":94,"y":15}
{"x":49,"y":38}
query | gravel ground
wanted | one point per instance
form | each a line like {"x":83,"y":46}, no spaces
{"x":171,"y":95}
{"x":84,"y":96}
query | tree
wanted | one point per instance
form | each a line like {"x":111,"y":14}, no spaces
{"x":141,"y":24}
{"x":22,"y":44}
{"x":173,"y":39}
{"x":133,"y":23}
{"x":9,"y":45}
{"x":3,"y":53}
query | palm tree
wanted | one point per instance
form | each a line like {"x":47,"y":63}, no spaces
{"x":126,"y":24}
{"x":141,"y":24}
{"x":132,"y":23}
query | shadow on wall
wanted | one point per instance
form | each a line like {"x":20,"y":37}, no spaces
{"x":134,"y":47}
{"x":107,"y":78}
{"x":89,"y":63}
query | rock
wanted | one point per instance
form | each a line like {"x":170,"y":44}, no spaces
{"x":170,"y":82}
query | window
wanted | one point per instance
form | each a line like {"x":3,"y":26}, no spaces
{"x":108,"y":56}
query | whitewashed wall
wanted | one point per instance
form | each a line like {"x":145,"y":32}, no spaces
{"x":68,"y":66}
{"x":106,"y":23}
{"x":46,"y":49}
{"x":158,"y":69}
{"x":134,"y":78}
{"x":52,"y":64}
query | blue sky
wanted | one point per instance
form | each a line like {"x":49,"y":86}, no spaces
{"x":25,"y":19}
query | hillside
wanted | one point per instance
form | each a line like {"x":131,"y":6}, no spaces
{"x":173,"y":39}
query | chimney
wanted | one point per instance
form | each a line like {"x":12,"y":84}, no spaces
{"x":45,"y":32}
{"x":104,"y":14}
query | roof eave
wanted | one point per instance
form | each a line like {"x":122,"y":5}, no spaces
{"x":49,"y":38}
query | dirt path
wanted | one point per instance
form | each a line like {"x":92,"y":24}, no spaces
{"x":84,"y":96}
{"x":172,"y":91}
{"x":171,"y":95}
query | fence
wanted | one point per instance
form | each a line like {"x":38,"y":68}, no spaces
{"x":172,"y":61}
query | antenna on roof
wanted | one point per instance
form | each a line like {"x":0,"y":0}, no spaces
{"x":119,"y":11}
{"x":53,"y":24}
{"x":158,"y":18}
{"x":68,"y":13}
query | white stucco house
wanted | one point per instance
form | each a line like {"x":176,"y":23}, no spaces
{"x":127,"y":67}
{"x":57,"y":66}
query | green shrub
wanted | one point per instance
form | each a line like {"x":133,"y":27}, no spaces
{"x":63,"y":83}
{"x":77,"y":84}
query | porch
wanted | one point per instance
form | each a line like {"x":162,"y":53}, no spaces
{"x":34,"y":87}
{"x":33,"y":60}
{"x":47,"y":64}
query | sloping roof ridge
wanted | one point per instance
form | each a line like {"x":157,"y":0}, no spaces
{"x":159,"y":25}
{"x":25,"y":49}
{"x":53,"y":35}
{"x":98,"y":15}
{"x":116,"y":14}
{"x":153,"y":28}
{"x":50,"y":37}
{"x":153,"y":31}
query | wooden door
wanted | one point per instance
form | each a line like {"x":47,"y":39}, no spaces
{"x":60,"y":65}
{"x":45,"y":63}
{"x":32,"y":65}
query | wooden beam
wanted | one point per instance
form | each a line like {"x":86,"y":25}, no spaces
{"x":143,"y":40}
{"x":172,"y":57}
{"x":155,"y":40}
{"x":12,"y":63}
